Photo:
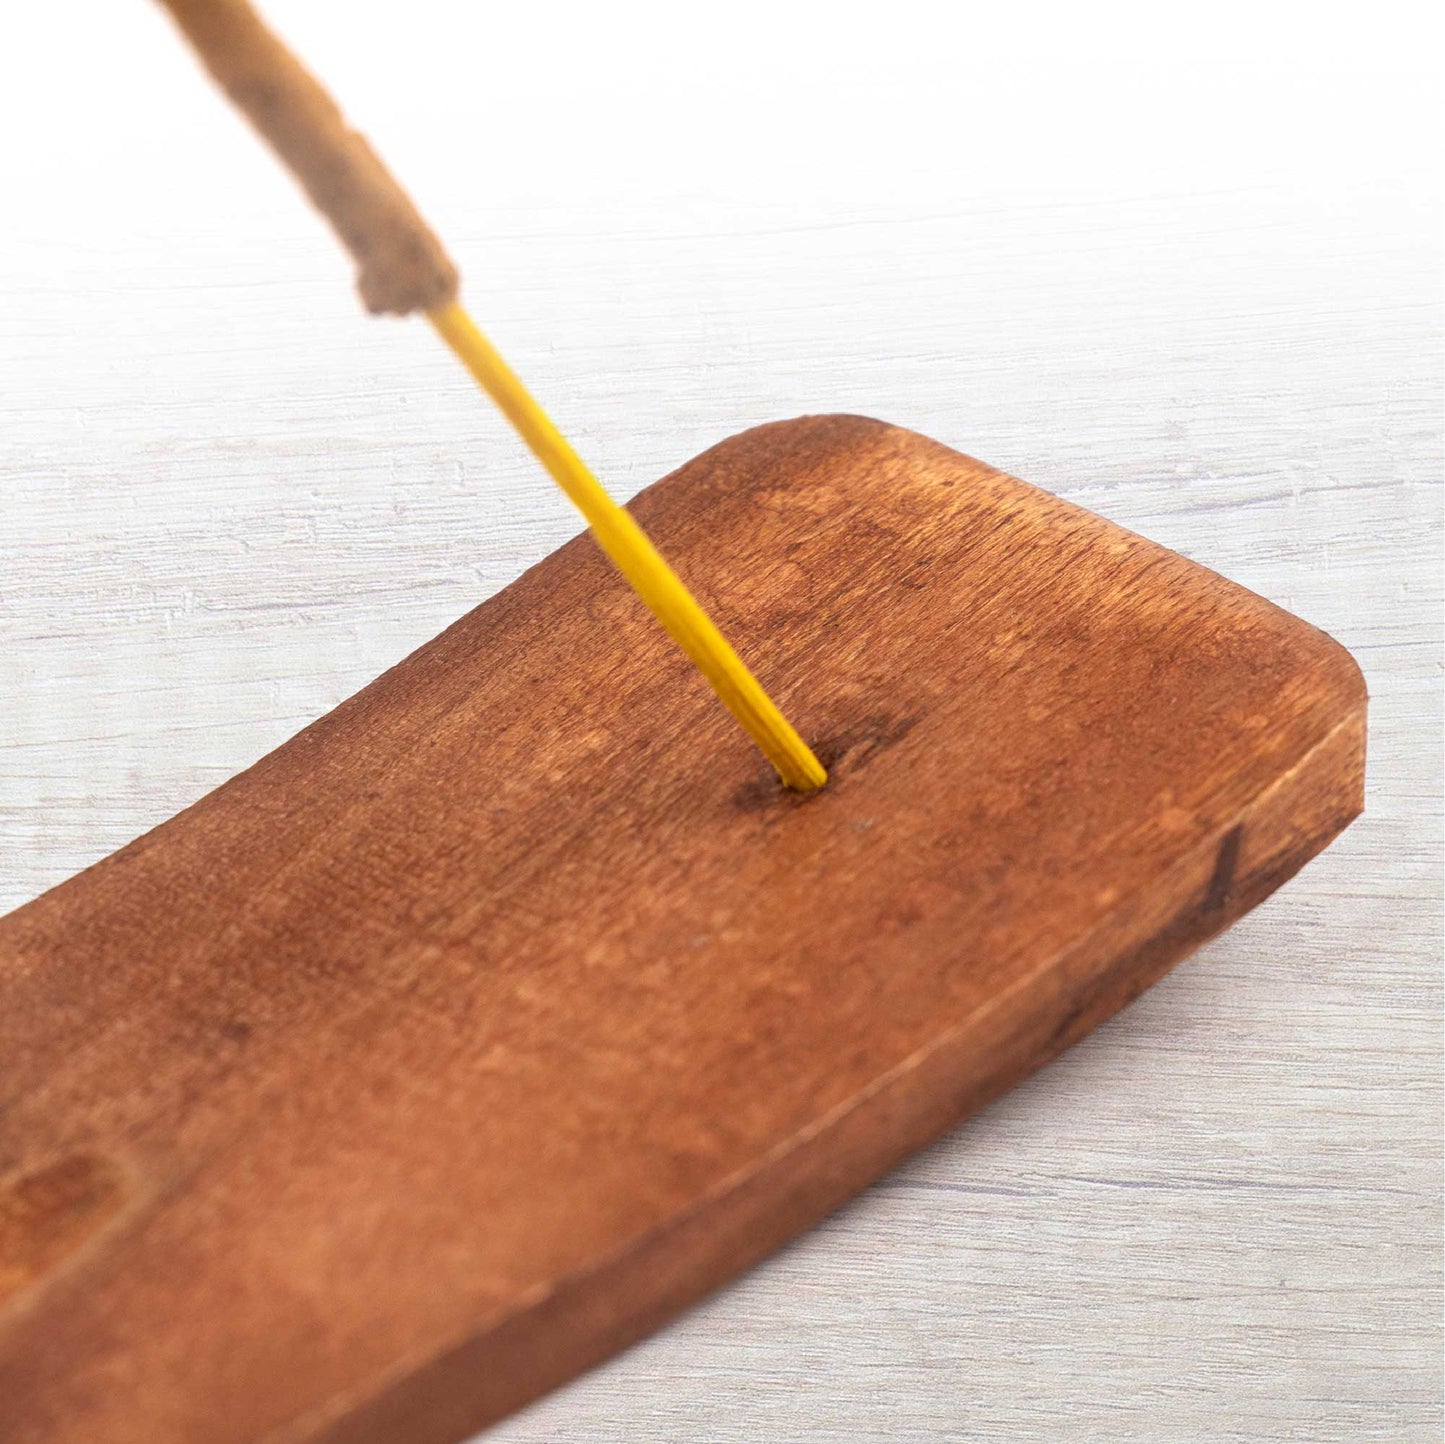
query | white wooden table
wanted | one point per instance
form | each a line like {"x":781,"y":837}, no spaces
{"x":1185,"y":275}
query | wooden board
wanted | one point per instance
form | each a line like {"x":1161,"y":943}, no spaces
{"x":511,"y":1006}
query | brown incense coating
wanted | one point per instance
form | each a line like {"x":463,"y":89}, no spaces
{"x":402,"y":265}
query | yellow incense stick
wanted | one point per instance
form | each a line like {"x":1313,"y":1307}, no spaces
{"x":403,"y":267}
{"x":634,"y":555}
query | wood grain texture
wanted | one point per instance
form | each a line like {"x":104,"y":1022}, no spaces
{"x":515,"y":1004}
{"x":1167,"y":276}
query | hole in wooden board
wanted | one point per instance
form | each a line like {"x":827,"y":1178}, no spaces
{"x":844,"y":754}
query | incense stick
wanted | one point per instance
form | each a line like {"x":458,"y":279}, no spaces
{"x":634,"y":555}
{"x":402,"y":267}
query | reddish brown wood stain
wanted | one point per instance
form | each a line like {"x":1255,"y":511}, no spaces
{"x":512,"y":1006}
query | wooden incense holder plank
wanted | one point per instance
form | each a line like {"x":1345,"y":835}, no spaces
{"x":513,"y":1005}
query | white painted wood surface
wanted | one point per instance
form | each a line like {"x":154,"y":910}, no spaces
{"x":1185,"y":274}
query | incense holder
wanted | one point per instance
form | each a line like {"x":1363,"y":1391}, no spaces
{"x":513,"y":1005}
